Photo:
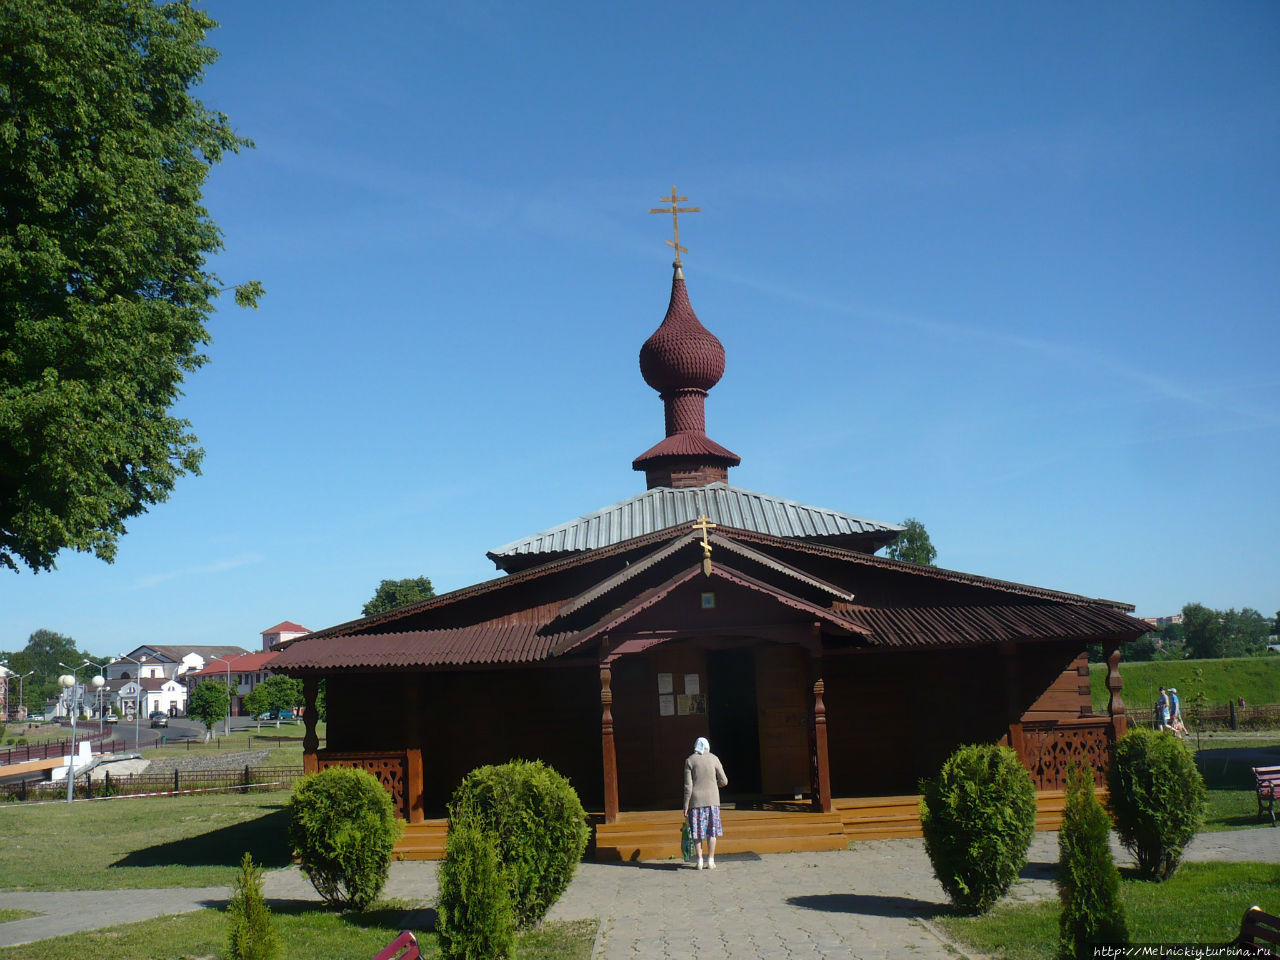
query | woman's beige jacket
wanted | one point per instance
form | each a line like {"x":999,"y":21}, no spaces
{"x":703,"y":778}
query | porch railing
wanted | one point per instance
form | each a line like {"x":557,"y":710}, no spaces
{"x":399,"y":771}
{"x":1050,"y":747}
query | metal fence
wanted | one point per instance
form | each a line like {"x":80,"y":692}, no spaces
{"x":1218,"y":716}
{"x":155,"y":784}
{"x":54,"y":748}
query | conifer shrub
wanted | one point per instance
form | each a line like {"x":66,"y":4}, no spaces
{"x":252,"y":935}
{"x":1088,"y":881}
{"x":474,"y":918}
{"x":978,"y":816}
{"x":1157,"y":799}
{"x":342,"y":824}
{"x":538,"y":824}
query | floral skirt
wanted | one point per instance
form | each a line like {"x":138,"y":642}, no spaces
{"x":705,"y":822}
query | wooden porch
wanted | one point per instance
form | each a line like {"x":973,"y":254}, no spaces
{"x":655,"y":834}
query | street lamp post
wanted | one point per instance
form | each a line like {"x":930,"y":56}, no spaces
{"x":102,"y":716}
{"x":137,"y":707}
{"x":7,"y":674}
{"x":229,"y":694}
{"x":22,"y":689}
{"x":68,"y":682}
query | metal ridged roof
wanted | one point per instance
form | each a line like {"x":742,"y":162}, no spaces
{"x":663,"y":507}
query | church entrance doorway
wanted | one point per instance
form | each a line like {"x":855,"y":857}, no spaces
{"x":731,"y":715}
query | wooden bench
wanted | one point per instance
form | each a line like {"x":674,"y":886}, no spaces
{"x":409,"y":944}
{"x":1267,"y":781}
{"x":1260,"y":933}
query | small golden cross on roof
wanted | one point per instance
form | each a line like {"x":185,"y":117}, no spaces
{"x":704,"y":524}
{"x":675,"y":210}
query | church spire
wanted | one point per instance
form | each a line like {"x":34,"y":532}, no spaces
{"x":682,"y":360}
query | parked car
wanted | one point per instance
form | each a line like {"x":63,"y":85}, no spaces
{"x":159,"y":718}
{"x":111,"y":718}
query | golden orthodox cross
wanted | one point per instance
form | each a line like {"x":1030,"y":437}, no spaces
{"x":704,"y":524}
{"x":675,"y":210}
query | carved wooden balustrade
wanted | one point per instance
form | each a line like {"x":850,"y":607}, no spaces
{"x":400,"y":772}
{"x":1050,"y":747}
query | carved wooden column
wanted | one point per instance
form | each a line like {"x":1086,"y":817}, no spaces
{"x":1013,"y":698}
{"x":310,"y":714}
{"x":1115,"y":704}
{"x":822,"y":794}
{"x":413,"y":786}
{"x":606,"y":741}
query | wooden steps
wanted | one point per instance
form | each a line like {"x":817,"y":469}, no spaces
{"x":655,"y":834}
{"x":422,"y":841}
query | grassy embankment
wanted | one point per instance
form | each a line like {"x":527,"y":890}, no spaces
{"x":1257,"y":679}
{"x":1202,"y":903}
{"x":188,"y":841}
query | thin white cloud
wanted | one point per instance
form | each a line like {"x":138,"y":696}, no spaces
{"x":217,"y":566}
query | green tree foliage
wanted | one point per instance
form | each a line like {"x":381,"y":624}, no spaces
{"x":913,"y":544}
{"x":343,"y":826}
{"x":252,"y":935}
{"x":475,"y":920}
{"x":1088,"y":881}
{"x":45,"y":649}
{"x":209,"y":703}
{"x":978,"y":817}
{"x":538,"y":823}
{"x":274,"y":693}
{"x":398,"y":593}
{"x":1211,"y":634}
{"x":104,"y":291}
{"x":1157,"y":799}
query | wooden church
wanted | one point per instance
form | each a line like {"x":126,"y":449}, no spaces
{"x":828,"y":679}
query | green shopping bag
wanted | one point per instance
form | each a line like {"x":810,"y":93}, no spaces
{"x":686,"y":842}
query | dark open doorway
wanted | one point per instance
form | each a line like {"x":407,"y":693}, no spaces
{"x":731,"y":715}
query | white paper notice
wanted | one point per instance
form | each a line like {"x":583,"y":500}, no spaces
{"x":666,"y":705}
{"x":664,"y":683}
{"x":691,"y":683}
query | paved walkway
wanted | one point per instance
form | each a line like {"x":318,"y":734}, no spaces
{"x":874,"y":901}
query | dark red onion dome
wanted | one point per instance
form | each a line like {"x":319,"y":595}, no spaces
{"x":682,"y":360}
{"x":681,"y":354}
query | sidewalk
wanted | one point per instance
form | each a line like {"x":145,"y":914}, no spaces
{"x":874,"y":901}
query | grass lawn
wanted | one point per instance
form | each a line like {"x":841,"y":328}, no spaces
{"x":285,"y":755}
{"x":304,"y":931}
{"x":1203,"y":903}
{"x":1227,"y":762}
{"x":185,"y":841}
{"x":7,"y":915}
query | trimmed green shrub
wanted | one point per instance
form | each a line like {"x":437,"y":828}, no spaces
{"x":539,"y":826}
{"x":978,"y":816}
{"x":473,"y":913}
{"x":1157,"y":799}
{"x":252,"y":935}
{"x":1088,"y":881}
{"x":342,"y":824}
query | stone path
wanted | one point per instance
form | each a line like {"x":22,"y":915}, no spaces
{"x":874,"y":901}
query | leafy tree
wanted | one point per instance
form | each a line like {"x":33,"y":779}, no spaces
{"x":913,"y":544}
{"x":45,"y":649}
{"x":1202,"y":629}
{"x":104,"y":286}
{"x":397,"y":593}
{"x":274,"y":693}
{"x":209,"y":703}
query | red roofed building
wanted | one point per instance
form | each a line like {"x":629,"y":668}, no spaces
{"x":818,"y":670}
{"x":287,"y":630}
{"x":243,"y":673}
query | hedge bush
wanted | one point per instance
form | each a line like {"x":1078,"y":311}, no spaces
{"x":539,"y":826}
{"x":1088,"y":881}
{"x":252,"y":935}
{"x":342,"y":824}
{"x":1157,"y":799}
{"x":473,"y":913}
{"x":978,"y":816}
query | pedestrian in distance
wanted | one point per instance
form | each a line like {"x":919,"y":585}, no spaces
{"x":1162,"y":710}
{"x":1175,"y":713}
{"x":703,"y":778}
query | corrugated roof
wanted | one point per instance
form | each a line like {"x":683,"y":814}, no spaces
{"x":988,"y":623}
{"x":490,"y":642}
{"x":663,"y":507}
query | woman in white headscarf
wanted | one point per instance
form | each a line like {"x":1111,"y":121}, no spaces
{"x":703,"y":778}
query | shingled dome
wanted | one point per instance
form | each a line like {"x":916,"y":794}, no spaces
{"x":681,"y":354}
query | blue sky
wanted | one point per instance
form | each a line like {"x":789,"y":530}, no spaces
{"x":1010,"y":269}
